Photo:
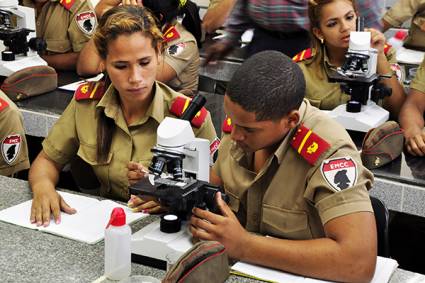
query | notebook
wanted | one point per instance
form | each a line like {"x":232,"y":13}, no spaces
{"x":87,"y":225}
{"x":383,"y":271}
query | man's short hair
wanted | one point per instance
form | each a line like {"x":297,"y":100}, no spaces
{"x":269,"y":84}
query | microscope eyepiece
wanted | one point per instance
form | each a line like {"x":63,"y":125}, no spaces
{"x":195,"y":105}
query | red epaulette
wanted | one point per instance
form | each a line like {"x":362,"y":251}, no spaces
{"x":180,"y":104}
{"x":387,"y":48}
{"x":170,"y":34}
{"x":309,"y":145}
{"x":3,"y":104}
{"x":90,"y":90}
{"x":67,"y":4}
{"x":227,"y":125}
{"x":303,"y":55}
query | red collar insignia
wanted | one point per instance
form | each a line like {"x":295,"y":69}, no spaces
{"x":309,"y":145}
{"x":170,"y":34}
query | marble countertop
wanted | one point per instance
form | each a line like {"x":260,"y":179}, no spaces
{"x":33,"y":256}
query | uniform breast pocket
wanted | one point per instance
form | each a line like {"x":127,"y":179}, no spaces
{"x":288,"y":224}
{"x":88,"y":153}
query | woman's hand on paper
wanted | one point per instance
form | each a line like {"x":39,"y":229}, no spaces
{"x":46,"y":202}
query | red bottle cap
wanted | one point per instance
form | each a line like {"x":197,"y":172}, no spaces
{"x":117,"y":217}
{"x":401,"y":35}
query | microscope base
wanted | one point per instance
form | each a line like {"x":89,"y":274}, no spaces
{"x":9,"y":67}
{"x":152,"y":247}
{"x":371,"y":116}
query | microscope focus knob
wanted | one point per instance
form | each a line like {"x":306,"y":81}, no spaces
{"x":170,"y":223}
{"x":7,"y":56}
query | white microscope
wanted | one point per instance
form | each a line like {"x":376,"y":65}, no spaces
{"x":358,"y":78}
{"x":183,"y":187}
{"x":17,"y":31}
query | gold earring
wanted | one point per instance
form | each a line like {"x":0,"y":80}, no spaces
{"x":322,"y":40}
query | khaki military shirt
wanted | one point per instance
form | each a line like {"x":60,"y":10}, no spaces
{"x":75,"y":134}
{"x":418,"y":82}
{"x":182,"y":55}
{"x":319,"y":91}
{"x":404,"y":10}
{"x":13,"y":144}
{"x":65,"y":27}
{"x":290,"y":198}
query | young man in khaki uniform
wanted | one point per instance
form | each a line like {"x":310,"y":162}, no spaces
{"x":13,"y":144}
{"x":412,"y":114}
{"x":293,"y":174}
{"x":402,"y":11}
{"x":65,"y":26}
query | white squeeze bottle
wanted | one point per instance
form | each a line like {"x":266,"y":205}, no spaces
{"x":117,"y":246}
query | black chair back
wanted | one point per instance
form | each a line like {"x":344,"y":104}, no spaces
{"x":382,"y":219}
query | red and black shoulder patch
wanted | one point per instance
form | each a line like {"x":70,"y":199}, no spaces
{"x":227,"y":126}
{"x":180,"y":104}
{"x":67,"y":4}
{"x":387,"y":48}
{"x":90,"y":90}
{"x":3,"y":104}
{"x":170,"y":34}
{"x":308,"y":144}
{"x":303,"y":55}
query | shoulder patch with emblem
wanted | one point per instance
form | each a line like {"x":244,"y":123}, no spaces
{"x":10,"y":148}
{"x":180,"y":104}
{"x":176,"y":49}
{"x":308,"y":144}
{"x":303,"y":55}
{"x":340,"y":173}
{"x":227,"y":125}
{"x":67,"y":4}
{"x":387,"y":48}
{"x":170,"y":34}
{"x":86,"y":22}
{"x":90,"y":90}
{"x":3,"y":104}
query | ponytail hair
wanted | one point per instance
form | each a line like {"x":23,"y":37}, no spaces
{"x":166,"y":11}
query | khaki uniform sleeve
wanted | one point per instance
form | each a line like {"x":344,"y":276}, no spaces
{"x":207,"y":130}
{"x":62,"y":144}
{"x":418,"y":82}
{"x":182,"y":58}
{"x":77,"y":34}
{"x":332,"y":203}
{"x":13,"y":157}
{"x":401,"y":11}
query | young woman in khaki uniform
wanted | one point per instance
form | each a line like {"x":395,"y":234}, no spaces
{"x":402,"y":11}
{"x":180,"y":62}
{"x":412,"y":114}
{"x":331,"y":24}
{"x":113,"y":131}
{"x":13,"y":144}
{"x":65,"y":26}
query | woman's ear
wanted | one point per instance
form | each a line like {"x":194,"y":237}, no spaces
{"x":318,"y":34}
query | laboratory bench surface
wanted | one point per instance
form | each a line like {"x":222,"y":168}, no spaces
{"x":32,"y":256}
